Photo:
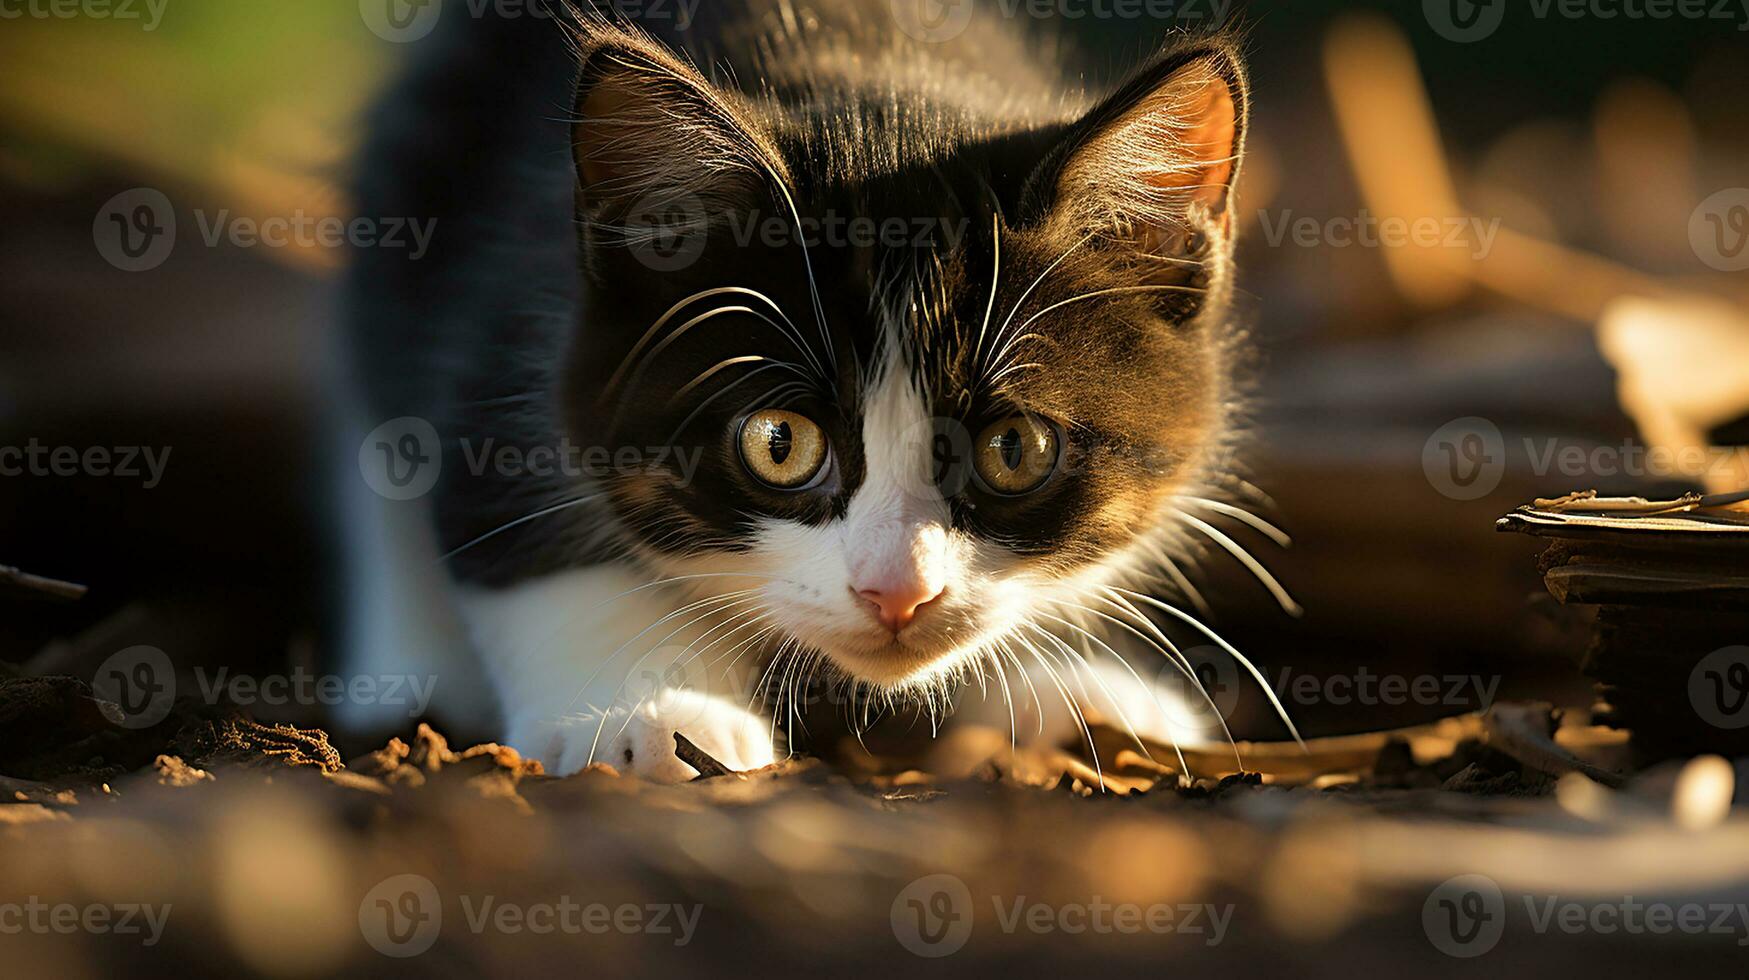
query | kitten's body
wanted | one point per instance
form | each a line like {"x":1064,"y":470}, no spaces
{"x":516,"y":331}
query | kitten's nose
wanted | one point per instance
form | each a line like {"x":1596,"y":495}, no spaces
{"x":896,"y":604}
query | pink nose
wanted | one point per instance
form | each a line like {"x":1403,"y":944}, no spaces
{"x":897,"y":605}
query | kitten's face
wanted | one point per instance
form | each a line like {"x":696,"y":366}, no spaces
{"x":914,"y":444}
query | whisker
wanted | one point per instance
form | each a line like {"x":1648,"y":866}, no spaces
{"x":995,"y":282}
{"x":716,"y":604}
{"x":1256,"y":568}
{"x":813,"y":283}
{"x":1096,"y":294}
{"x":1182,"y":583}
{"x":1256,"y":674}
{"x":1274,"y":533}
{"x":1001,"y":644}
{"x":543,"y":512}
{"x":725,"y":364}
{"x":1068,"y":700}
{"x":1159,"y":641}
{"x":1035,"y":284}
{"x":673,"y":311}
{"x":1110,"y":695}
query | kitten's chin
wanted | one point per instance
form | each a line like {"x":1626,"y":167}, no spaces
{"x":892,"y":665}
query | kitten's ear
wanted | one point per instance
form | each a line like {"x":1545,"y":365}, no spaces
{"x":1153,"y":165}
{"x":651,"y":131}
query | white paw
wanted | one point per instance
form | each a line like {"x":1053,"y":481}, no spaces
{"x":641,"y":742}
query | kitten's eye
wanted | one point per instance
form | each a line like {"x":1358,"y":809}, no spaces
{"x":1016,"y":455}
{"x":782,"y":449}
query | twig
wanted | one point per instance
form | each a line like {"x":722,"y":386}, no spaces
{"x":1523,"y":731}
{"x":16,"y":581}
{"x":699,"y":759}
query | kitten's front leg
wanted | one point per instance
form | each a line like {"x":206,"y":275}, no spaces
{"x":591,"y":666}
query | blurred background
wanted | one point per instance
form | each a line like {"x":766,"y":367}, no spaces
{"x":1583,"y":176}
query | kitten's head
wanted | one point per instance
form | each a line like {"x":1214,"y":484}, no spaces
{"x":967,"y":393}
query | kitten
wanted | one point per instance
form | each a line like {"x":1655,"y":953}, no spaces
{"x":843,"y":352}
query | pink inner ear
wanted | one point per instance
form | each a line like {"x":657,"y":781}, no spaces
{"x":1208,"y":127}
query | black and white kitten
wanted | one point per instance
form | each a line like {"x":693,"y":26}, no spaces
{"x":787,"y":344}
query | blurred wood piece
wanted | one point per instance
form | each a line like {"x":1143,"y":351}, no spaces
{"x":22,"y":583}
{"x":1672,"y":612}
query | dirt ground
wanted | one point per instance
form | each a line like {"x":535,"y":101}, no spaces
{"x":218,"y":846}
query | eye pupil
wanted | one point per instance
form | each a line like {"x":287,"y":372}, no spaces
{"x":1011,"y":449}
{"x":780,"y":442}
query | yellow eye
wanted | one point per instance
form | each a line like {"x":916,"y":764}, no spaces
{"x":782,"y":449}
{"x":1015,"y":455}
